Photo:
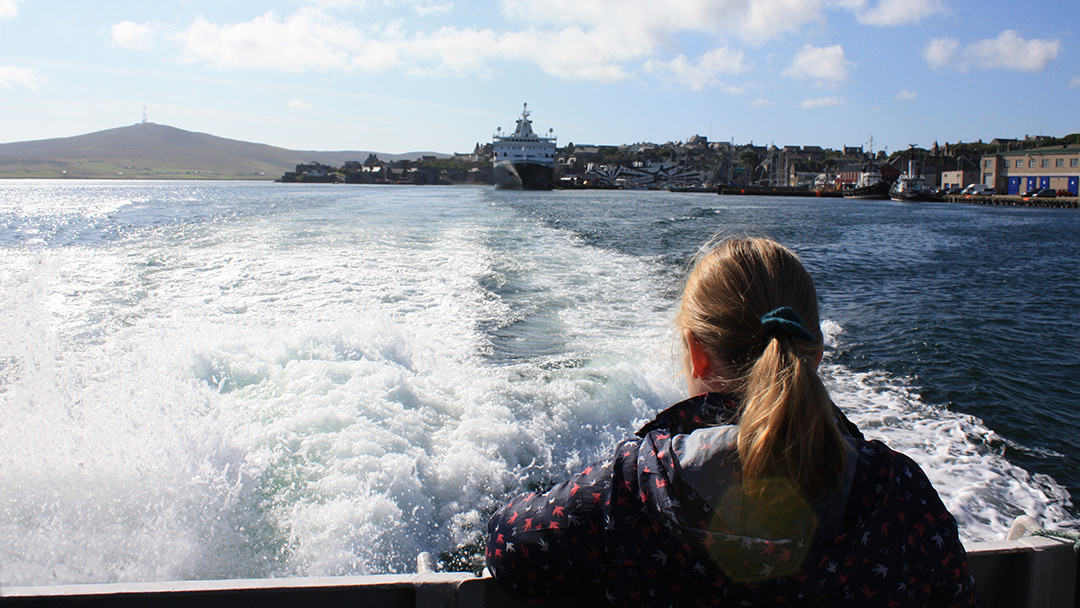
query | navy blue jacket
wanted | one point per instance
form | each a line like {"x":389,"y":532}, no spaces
{"x":655,"y":525}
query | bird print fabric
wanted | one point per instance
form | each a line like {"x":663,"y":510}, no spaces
{"x":660,"y":523}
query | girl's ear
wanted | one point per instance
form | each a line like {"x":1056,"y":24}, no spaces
{"x":700,"y":366}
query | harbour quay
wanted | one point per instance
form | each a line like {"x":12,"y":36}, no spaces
{"x":1005,"y":200}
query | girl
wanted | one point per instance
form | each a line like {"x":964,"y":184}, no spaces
{"x":756,"y":491}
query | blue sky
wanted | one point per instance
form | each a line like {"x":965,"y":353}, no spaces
{"x":440,"y":75}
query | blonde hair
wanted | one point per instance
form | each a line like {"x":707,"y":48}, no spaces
{"x":787,"y":428}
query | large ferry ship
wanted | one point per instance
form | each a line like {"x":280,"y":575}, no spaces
{"x":524,"y":160}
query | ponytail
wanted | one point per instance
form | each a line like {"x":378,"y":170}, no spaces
{"x":786,"y":428}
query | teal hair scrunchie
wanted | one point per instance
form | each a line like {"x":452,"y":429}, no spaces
{"x":787,"y":320}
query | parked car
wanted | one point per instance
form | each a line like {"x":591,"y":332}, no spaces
{"x":1043,"y":193}
{"x":978,"y":190}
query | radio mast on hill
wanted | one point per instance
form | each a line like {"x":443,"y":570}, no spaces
{"x":144,"y":119}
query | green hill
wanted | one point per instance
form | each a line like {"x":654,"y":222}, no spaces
{"x":153,"y":151}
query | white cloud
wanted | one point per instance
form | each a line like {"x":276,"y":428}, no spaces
{"x":1011,"y":52}
{"x":598,"y":40}
{"x":761,"y":103}
{"x":458,"y":51}
{"x":826,"y":65}
{"x":821,"y":102}
{"x":756,"y":21}
{"x":940,"y":52}
{"x":131,"y":35}
{"x":906,"y":94}
{"x":10,"y":76}
{"x":297,"y":104}
{"x":307,"y":40}
{"x":1008,"y":51}
{"x":339,"y":3}
{"x":900,"y":12}
{"x":701,"y":73}
{"x":767,"y":20}
{"x":426,"y":10}
{"x":1074,"y":82}
{"x":573,"y":52}
{"x":9,"y":9}
{"x":420,"y":7}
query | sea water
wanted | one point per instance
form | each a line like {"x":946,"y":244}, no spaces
{"x":226,"y":380}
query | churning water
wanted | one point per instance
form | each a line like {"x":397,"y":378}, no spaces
{"x":223,"y":380}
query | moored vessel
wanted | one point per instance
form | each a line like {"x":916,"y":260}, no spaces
{"x":524,"y":160}
{"x":911,"y":187}
{"x":869,"y":185}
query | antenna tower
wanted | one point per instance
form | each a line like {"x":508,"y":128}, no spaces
{"x":144,"y":119}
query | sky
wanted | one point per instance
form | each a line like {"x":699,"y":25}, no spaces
{"x":400,"y":76}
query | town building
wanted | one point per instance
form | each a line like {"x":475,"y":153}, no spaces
{"x":1018,"y":172}
{"x":959,"y":178}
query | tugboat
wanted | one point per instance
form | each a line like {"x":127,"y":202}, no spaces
{"x":910,"y":188}
{"x":524,"y":160}
{"x":870,"y":185}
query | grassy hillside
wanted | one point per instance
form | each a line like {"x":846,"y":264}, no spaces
{"x":152,"y":151}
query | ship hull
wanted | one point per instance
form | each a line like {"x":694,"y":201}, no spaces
{"x":913,"y":196}
{"x":878,"y":191}
{"x":517,"y":175}
{"x":911,"y":190}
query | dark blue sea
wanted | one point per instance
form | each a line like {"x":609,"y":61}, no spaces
{"x":236,"y":380}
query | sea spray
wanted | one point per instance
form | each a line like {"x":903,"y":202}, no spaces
{"x":250,"y":380}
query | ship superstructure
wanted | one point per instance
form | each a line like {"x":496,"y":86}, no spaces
{"x":911,"y":187}
{"x":524,"y":160}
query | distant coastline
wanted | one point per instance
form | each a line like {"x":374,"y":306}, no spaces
{"x":150,"y":151}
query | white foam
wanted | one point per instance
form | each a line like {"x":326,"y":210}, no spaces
{"x":334,"y":388}
{"x":960,"y":455}
{"x":272,"y":398}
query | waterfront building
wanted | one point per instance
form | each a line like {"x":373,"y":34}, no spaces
{"x":960,"y":177}
{"x":1018,"y":172}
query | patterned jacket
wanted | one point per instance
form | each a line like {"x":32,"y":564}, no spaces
{"x":656,"y":525}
